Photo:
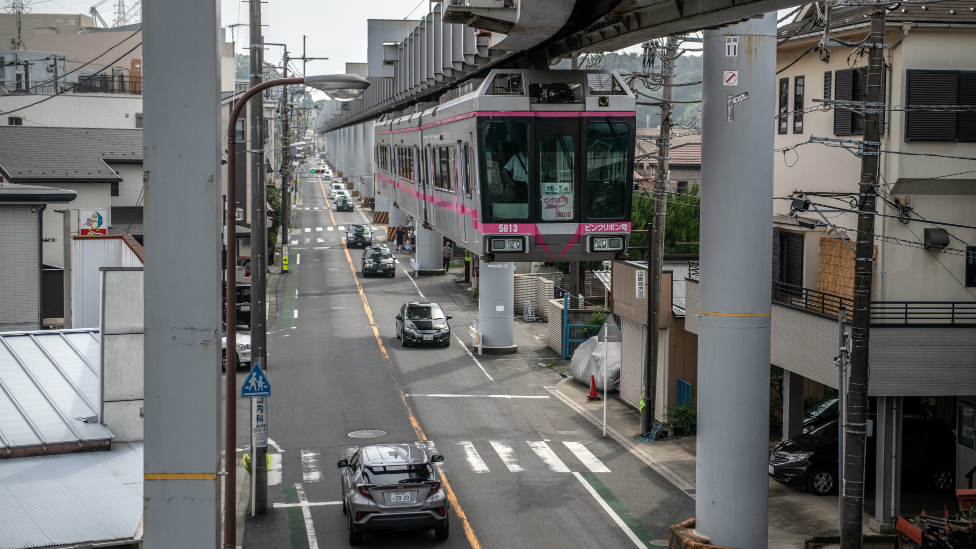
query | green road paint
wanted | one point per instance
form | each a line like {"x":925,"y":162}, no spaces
{"x":625,"y":515}
{"x":296,"y":519}
{"x":288,"y":311}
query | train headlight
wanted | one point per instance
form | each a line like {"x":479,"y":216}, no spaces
{"x":606,"y":243}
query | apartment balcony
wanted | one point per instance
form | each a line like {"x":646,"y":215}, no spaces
{"x":99,"y":83}
{"x":916,"y":348}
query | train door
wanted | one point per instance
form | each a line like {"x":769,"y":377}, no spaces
{"x":431,"y":165}
{"x":463,"y":188}
{"x":559,"y":170}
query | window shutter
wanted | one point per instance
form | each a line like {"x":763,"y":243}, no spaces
{"x":791,"y":258}
{"x":966,"y":121}
{"x":828,"y":84}
{"x":843,"y":90}
{"x":784,"y":104}
{"x":931,"y":88}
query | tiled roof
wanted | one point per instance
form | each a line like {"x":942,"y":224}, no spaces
{"x":51,"y":155}
{"x":686,"y":154}
{"x":957,"y":12}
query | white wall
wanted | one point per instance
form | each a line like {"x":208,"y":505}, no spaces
{"x":76,"y":110}
{"x":88,"y":256}
{"x":122,"y":355}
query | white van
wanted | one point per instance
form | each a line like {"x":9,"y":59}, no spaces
{"x":336,"y":187}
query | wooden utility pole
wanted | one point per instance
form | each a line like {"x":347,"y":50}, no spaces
{"x":855,"y":432}
{"x":655,"y":240}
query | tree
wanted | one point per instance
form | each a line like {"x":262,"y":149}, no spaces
{"x":681,"y":224}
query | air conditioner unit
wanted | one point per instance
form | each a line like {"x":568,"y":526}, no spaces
{"x":936,"y":239}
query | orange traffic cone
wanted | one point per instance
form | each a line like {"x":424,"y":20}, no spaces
{"x":593,"y":395}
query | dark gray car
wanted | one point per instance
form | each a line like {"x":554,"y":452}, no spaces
{"x":393,"y":487}
{"x":359,"y":235}
{"x":423,"y":323}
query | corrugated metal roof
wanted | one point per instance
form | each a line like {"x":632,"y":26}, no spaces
{"x":70,"y":499}
{"x":39,"y":155}
{"x":49,"y":379}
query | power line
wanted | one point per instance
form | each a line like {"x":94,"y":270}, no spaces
{"x":88,"y":63}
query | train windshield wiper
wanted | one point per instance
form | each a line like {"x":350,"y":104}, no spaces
{"x":520,"y":144}
{"x":566,"y":156}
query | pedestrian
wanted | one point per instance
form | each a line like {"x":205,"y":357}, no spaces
{"x":399,"y":237}
{"x":448,"y":252}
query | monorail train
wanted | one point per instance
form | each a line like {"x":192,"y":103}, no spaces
{"x":533,"y":165}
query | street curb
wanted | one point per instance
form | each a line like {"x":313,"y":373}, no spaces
{"x":243,"y":502}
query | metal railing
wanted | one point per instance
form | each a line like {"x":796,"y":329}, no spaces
{"x":923,"y":312}
{"x":99,"y":83}
{"x":810,"y":300}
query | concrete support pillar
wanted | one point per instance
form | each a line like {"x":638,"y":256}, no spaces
{"x":429,"y":248}
{"x":496,"y":301}
{"x":887,"y":432}
{"x":733,"y":345}
{"x":381,"y":210}
{"x":183,"y":139}
{"x":398,"y":217}
{"x":792,"y":404}
{"x":359,"y":160}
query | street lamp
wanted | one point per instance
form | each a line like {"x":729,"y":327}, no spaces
{"x":342,"y":87}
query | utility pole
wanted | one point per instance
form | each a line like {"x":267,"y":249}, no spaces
{"x":259,"y":253}
{"x":855,"y":432}
{"x":285,"y":163}
{"x":66,"y":217}
{"x":655,"y":240}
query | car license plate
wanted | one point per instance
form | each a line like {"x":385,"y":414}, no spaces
{"x":245,"y":307}
{"x":771,"y":470}
{"x":428,"y":338}
{"x":399,"y":497}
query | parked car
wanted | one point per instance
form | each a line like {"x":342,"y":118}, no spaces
{"x":423,"y":323}
{"x":825,"y":410}
{"x":243,"y":261}
{"x":810,"y":460}
{"x":243,"y":349}
{"x":393,"y":487}
{"x":359,"y":235}
{"x":243,"y":305}
{"x":378,"y":260}
{"x":344,"y":204}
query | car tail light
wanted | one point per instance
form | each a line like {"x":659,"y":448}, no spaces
{"x":434,"y":486}
{"x":364,"y":490}
{"x":441,"y":511}
{"x":358,"y":516}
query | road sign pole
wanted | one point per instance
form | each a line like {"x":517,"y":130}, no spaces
{"x":254,"y":459}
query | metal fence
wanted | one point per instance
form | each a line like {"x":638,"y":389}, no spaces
{"x":99,"y":83}
{"x":810,"y":300}
{"x":923,"y":312}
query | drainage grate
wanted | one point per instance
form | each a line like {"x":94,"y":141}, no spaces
{"x":659,"y":542}
{"x":367,"y":434}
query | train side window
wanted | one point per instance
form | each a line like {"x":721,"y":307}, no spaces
{"x":466,"y":170}
{"x":557,"y":166}
{"x":606,"y":169}
{"x":507,"y":169}
{"x":443,"y":169}
{"x":409,"y":165}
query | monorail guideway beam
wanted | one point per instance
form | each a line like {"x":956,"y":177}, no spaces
{"x":736,"y":249}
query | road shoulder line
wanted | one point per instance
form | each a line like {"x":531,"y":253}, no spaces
{"x":620,"y":514}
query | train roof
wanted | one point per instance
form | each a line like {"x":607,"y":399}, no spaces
{"x":528,"y":90}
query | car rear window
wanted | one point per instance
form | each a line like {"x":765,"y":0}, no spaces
{"x":359,"y":229}
{"x":425,"y":312}
{"x":394,"y":474}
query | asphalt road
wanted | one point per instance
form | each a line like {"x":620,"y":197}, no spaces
{"x":523,"y":468}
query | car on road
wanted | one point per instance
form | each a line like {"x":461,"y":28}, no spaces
{"x":420,"y":322}
{"x":378,"y":260}
{"x":344,"y":204}
{"x":243,"y":305}
{"x":335,"y":187}
{"x":359,"y":235}
{"x":243,"y":349}
{"x":810,"y":460}
{"x":343,"y":193}
{"x":393,"y":487}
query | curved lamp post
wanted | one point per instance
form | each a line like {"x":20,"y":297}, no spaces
{"x":341,"y":87}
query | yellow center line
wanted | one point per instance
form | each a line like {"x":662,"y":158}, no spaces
{"x":468,"y":531}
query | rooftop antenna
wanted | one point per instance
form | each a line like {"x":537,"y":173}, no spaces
{"x":19,"y":7}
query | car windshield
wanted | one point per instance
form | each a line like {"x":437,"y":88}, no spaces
{"x":425,"y":312}
{"x":822,"y":407}
{"x":394,"y":474}
{"x":379,"y":254}
{"x":828,"y":430}
{"x":359,"y":229}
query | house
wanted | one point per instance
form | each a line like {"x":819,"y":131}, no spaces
{"x":923,"y":312}
{"x":684,"y":159}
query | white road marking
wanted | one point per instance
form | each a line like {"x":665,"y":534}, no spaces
{"x":583,"y":454}
{"x":321,"y":248}
{"x":547,"y":456}
{"x":310,"y":467}
{"x":431,"y":450}
{"x":507,"y":455}
{"x":294,"y":314}
{"x":470,"y":354}
{"x":628,"y":443}
{"x":274,"y":472}
{"x":474,"y":458}
{"x":314,"y":208}
{"x":330,"y":228}
{"x":412,"y":280}
{"x":308,"y":229}
{"x":298,"y":259}
{"x":319,"y":240}
{"x":318,"y":229}
{"x":313,"y":542}
{"x":306,"y":504}
{"x":275,"y":444}
{"x":606,"y":507}
{"x":477,"y":396}
{"x":341,"y":228}
{"x":294,"y":242}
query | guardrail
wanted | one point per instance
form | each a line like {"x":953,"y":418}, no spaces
{"x":811,"y":300}
{"x":923,"y":312}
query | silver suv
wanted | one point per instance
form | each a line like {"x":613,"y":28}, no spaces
{"x":393,"y":487}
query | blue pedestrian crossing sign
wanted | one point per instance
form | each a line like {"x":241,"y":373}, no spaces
{"x":256,"y":384}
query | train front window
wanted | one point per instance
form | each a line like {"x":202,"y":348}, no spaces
{"x":507,"y":168}
{"x":557,"y":176}
{"x":606,"y":169}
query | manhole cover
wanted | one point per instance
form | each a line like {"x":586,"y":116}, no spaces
{"x":659,"y":542}
{"x":367,"y":434}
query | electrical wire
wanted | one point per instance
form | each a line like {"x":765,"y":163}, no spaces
{"x":88,"y":63}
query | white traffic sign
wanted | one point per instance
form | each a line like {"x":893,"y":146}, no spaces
{"x":259,"y":409}
{"x":731,"y":46}
{"x":256,"y":384}
{"x":641,"y":278}
{"x":730,"y":78}
{"x":732,"y":100}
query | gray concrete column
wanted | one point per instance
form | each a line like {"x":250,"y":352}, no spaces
{"x":359,"y":158}
{"x":183,"y":139}
{"x":429,"y":248}
{"x":397,"y":216}
{"x":496,"y":300}
{"x":887,"y":499}
{"x":792,"y":404}
{"x":734,"y":332}
{"x":382,"y":204}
